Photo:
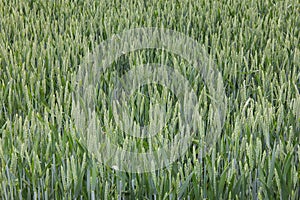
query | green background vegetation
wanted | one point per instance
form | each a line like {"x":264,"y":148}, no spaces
{"x":255,"y":46}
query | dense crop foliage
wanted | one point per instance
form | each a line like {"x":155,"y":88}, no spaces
{"x":253,"y":43}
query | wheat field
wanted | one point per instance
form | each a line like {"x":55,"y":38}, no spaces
{"x":255,"y":46}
